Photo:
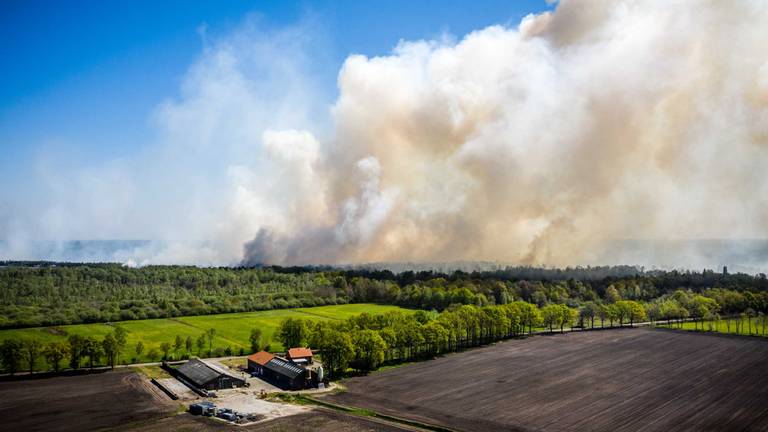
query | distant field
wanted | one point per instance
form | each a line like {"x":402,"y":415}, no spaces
{"x":232,"y":330}
{"x":754,"y":329}
{"x":612,"y":380}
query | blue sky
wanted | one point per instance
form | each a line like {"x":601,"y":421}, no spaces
{"x":81,"y":79}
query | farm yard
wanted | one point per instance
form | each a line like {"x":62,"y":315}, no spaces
{"x":232,"y":330}
{"x":613,"y":380}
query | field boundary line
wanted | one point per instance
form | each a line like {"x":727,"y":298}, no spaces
{"x":177,"y":320}
{"x":374,"y":414}
{"x":317,"y":315}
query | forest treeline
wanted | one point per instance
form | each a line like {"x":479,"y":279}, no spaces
{"x":37,"y":294}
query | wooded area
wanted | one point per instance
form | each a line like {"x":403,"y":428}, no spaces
{"x":42,"y":294}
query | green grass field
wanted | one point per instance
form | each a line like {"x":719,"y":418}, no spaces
{"x":756,"y":327}
{"x":232,"y":330}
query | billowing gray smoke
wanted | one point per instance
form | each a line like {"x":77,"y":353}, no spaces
{"x":603,"y":132}
{"x":539,"y":144}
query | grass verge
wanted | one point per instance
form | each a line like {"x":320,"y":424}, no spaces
{"x":360,"y":412}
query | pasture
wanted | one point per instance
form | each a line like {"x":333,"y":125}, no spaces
{"x":232,"y":330}
{"x":757,"y":326}
{"x":605,"y":380}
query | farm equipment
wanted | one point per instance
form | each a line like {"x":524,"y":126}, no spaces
{"x":207,"y":409}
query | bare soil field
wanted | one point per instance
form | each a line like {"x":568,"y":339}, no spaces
{"x":617,"y":380}
{"x":314,"y":421}
{"x":80,"y":403}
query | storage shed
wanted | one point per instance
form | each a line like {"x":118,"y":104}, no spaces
{"x":286,"y":375}
{"x":206,"y":376}
{"x":300,"y":355}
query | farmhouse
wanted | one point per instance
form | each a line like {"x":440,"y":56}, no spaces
{"x":296,"y":372}
{"x":300,"y":355}
{"x":257,"y":361}
{"x":207,"y":376}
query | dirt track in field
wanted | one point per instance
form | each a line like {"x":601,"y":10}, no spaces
{"x":80,"y":403}
{"x":619,"y":380}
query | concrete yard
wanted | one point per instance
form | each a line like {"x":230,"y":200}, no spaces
{"x":247,"y":401}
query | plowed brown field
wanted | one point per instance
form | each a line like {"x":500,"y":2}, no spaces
{"x":80,"y":403}
{"x":619,"y":380}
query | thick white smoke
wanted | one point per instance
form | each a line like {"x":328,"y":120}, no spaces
{"x":542,"y":143}
{"x":537,"y":144}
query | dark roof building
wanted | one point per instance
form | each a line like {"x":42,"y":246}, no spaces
{"x":257,"y":361}
{"x":280,"y":372}
{"x":285,"y":374}
{"x":207,"y":376}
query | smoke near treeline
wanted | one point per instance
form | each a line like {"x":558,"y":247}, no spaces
{"x":539,"y":143}
{"x":622,"y":132}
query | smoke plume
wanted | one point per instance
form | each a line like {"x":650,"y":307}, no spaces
{"x":548,"y":142}
{"x":540,"y":144}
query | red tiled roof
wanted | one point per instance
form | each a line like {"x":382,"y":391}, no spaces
{"x":261,"y":357}
{"x":299,"y":352}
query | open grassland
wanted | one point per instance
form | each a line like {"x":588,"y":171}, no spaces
{"x":743,"y":327}
{"x":232,"y":330}
{"x":612,"y":380}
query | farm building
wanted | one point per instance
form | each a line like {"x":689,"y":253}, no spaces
{"x":257,"y":361}
{"x":296,"y":372}
{"x":207,"y":376}
{"x":300,"y":355}
{"x":286,"y":375}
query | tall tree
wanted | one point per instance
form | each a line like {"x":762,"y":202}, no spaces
{"x":255,"y":339}
{"x":210,"y":334}
{"x":76,"y":352}
{"x":139,"y":349}
{"x":551,"y":316}
{"x":200,"y":344}
{"x":370,"y":348}
{"x":110,"y":348}
{"x":565,"y":317}
{"x":54,"y":353}
{"x":337,"y":350}
{"x":121,"y":338}
{"x":292,"y":332}
{"x":165,"y":347}
{"x":31,"y":352}
{"x":10,"y":355}
{"x":92,"y":349}
{"x":612,"y":294}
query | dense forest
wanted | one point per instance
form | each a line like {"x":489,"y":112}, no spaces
{"x":40,"y":293}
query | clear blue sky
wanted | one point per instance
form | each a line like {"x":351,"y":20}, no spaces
{"x":64,"y":65}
